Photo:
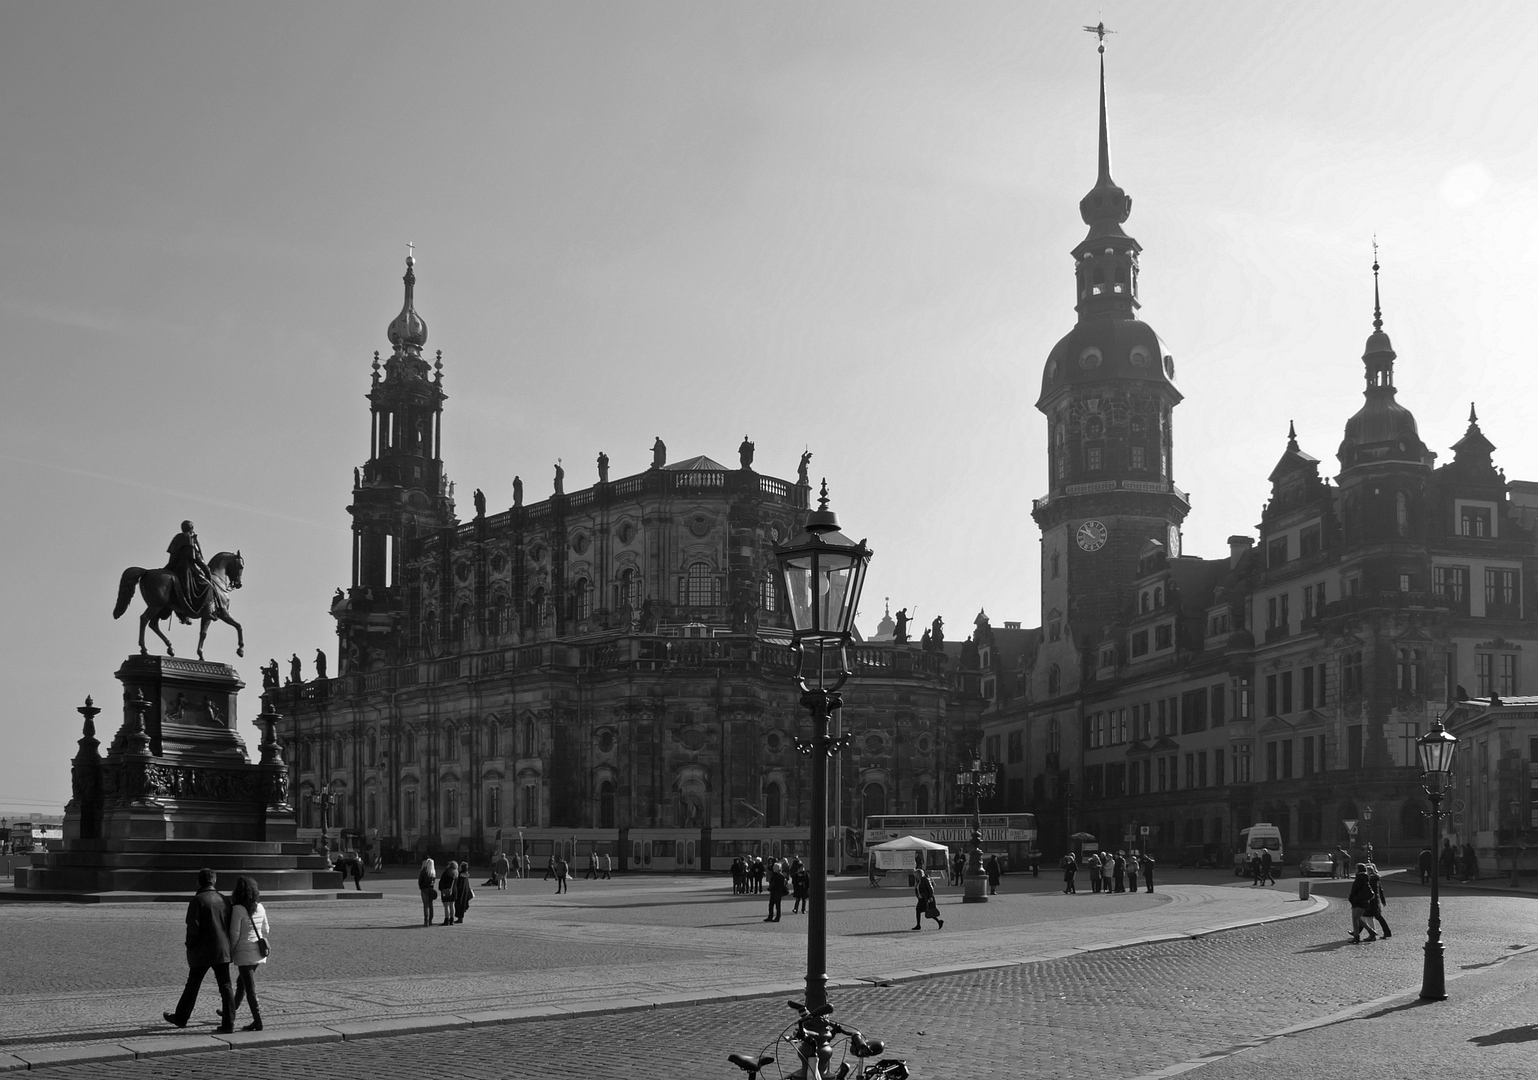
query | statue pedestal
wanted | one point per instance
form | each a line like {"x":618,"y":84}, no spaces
{"x":176,"y":792}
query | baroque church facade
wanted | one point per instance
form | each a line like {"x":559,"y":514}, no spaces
{"x":605,"y":669}
{"x":1169,"y":701}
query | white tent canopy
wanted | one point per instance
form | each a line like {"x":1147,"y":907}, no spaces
{"x":898,"y":854}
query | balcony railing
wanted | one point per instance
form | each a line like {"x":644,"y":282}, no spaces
{"x":1144,"y":487}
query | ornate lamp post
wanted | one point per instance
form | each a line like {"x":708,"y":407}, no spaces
{"x":1437,"y":749}
{"x":325,"y":800}
{"x":823,"y":572}
{"x":976,"y":780}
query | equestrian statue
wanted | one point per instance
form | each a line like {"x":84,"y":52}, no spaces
{"x":186,"y":587}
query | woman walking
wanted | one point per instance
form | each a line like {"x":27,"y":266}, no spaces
{"x":463,"y":894}
{"x":1360,"y":899}
{"x":924,"y":890}
{"x":1070,"y":868}
{"x":248,"y":947}
{"x":446,"y":885}
{"x":427,"y":882}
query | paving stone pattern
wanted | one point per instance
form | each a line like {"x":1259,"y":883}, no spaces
{"x":1120,"y":1012}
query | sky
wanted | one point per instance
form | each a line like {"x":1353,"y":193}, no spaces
{"x":837,"y":226}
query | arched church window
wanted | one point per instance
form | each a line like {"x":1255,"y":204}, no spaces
{"x":768,"y":597}
{"x":625,"y":589}
{"x":1054,"y":680}
{"x":449,"y":751}
{"x":528,"y":738}
{"x":605,"y":805}
{"x":584,"y":598}
{"x":921,"y":799}
{"x":1143,"y":606}
{"x":1158,"y":598}
{"x":530,"y":817}
{"x":700,"y":586}
{"x":373,"y":749}
{"x":874,"y":799}
{"x":772,"y":806}
{"x":491,"y":739}
{"x":409,"y":745}
{"x":1054,"y":736}
{"x":1402,"y":513}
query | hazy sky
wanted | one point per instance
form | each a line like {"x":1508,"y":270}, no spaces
{"x":836,"y":225}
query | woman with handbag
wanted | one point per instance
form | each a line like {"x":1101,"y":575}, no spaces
{"x":427,"y":883}
{"x":248,"y":947}
{"x":924,"y":889}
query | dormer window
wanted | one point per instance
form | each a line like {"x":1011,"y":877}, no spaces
{"x":1138,"y":462}
{"x":1092,"y":459}
{"x":1474,"y":521}
{"x":1143,"y":605}
{"x":1164,"y":636}
{"x":1158,"y":597}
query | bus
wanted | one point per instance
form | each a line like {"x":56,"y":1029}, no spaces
{"x":1011,"y":835}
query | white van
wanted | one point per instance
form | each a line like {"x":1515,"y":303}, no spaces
{"x":1261,"y":836}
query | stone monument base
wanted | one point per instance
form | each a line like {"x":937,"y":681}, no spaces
{"x":177,"y":792}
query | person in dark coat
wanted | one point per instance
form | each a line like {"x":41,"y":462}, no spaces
{"x":924,"y":890}
{"x":1375,"y":909}
{"x":800,"y":886}
{"x":1148,"y":865}
{"x":1267,"y":867}
{"x":739,"y":876}
{"x":1361,"y":898}
{"x":208,"y":946}
{"x":1070,"y":868}
{"x":1449,"y":860}
{"x":1426,"y":866}
{"x":777,"y":891}
{"x":1470,"y":863}
{"x":446,"y":885}
{"x":994,"y":874}
{"x":1119,"y":873}
{"x":463,"y":894}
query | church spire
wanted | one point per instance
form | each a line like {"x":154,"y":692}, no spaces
{"x":1379,"y":354}
{"x":1104,"y":179}
{"x":408,"y":330}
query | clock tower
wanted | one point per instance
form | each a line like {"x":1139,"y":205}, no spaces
{"x":1108,"y":392}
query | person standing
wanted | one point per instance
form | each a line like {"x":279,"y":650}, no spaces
{"x":1119,"y":872}
{"x":1148,"y":865}
{"x":801,"y":887}
{"x":1070,"y":867}
{"x":1470,"y":863}
{"x":427,"y":883}
{"x":1360,"y":897}
{"x":446,"y":882}
{"x":499,"y":869}
{"x":924,"y":890}
{"x":463,"y":893}
{"x":562,"y":870}
{"x":1427,"y":868}
{"x":994,"y":874}
{"x":1107,"y":868}
{"x":777,"y":891}
{"x":208,"y":946}
{"x":1449,"y":859}
{"x":249,"y":932}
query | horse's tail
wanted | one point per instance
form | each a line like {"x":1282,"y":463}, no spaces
{"x":125,"y":589}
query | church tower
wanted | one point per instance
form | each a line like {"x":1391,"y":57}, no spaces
{"x":1108,"y":393}
{"x":401,"y":491}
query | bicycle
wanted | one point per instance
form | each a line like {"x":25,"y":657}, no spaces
{"x":816,"y":1040}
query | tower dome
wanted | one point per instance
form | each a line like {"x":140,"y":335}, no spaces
{"x":408,"y":329}
{"x":1382,"y":428}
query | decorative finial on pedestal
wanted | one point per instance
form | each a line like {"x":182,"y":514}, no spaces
{"x":89,"y":711}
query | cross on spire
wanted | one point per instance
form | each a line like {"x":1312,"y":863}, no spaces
{"x":1100,"y":32}
{"x":1377,"y":308}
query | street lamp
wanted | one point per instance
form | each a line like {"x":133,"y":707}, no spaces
{"x":822,"y":572}
{"x":325,"y":800}
{"x":1437,"y":749}
{"x":976,"y":780}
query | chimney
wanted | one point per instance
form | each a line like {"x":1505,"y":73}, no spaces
{"x":1237,"y":546}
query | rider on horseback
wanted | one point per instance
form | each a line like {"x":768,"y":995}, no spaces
{"x":186,"y":565}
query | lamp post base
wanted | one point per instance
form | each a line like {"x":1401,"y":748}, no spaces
{"x":1433,"y":979}
{"x":975,"y":886}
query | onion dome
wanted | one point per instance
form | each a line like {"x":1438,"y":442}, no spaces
{"x":409,"y":330}
{"x":1382,"y":428}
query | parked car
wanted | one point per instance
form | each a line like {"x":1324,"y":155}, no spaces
{"x":1201,"y":855}
{"x":1320,"y":862}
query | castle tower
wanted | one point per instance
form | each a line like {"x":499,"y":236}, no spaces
{"x":1108,"y":392}
{"x":401,"y":491}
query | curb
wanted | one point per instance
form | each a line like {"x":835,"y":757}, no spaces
{"x":140,"y":1047}
{"x":1406,"y":996}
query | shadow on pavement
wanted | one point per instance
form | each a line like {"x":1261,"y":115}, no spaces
{"x":1525,"y":1033}
{"x":1326,"y":946}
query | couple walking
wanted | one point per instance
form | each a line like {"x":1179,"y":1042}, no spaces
{"x":222,"y":932}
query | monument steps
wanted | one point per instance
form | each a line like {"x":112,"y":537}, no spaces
{"x":163,"y":860}
{"x":275,"y":896}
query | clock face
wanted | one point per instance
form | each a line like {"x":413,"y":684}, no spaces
{"x":1173,"y":547}
{"x":1092,"y":535}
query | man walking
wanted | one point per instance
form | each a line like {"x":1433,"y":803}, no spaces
{"x":608,"y":865}
{"x":1267,"y":867}
{"x":208,"y":946}
{"x":592,"y":867}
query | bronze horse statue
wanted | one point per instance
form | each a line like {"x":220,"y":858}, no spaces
{"x":163,"y":597}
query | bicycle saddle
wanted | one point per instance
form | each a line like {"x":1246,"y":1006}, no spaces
{"x":862,"y":1048}
{"x":749,"y":1065}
